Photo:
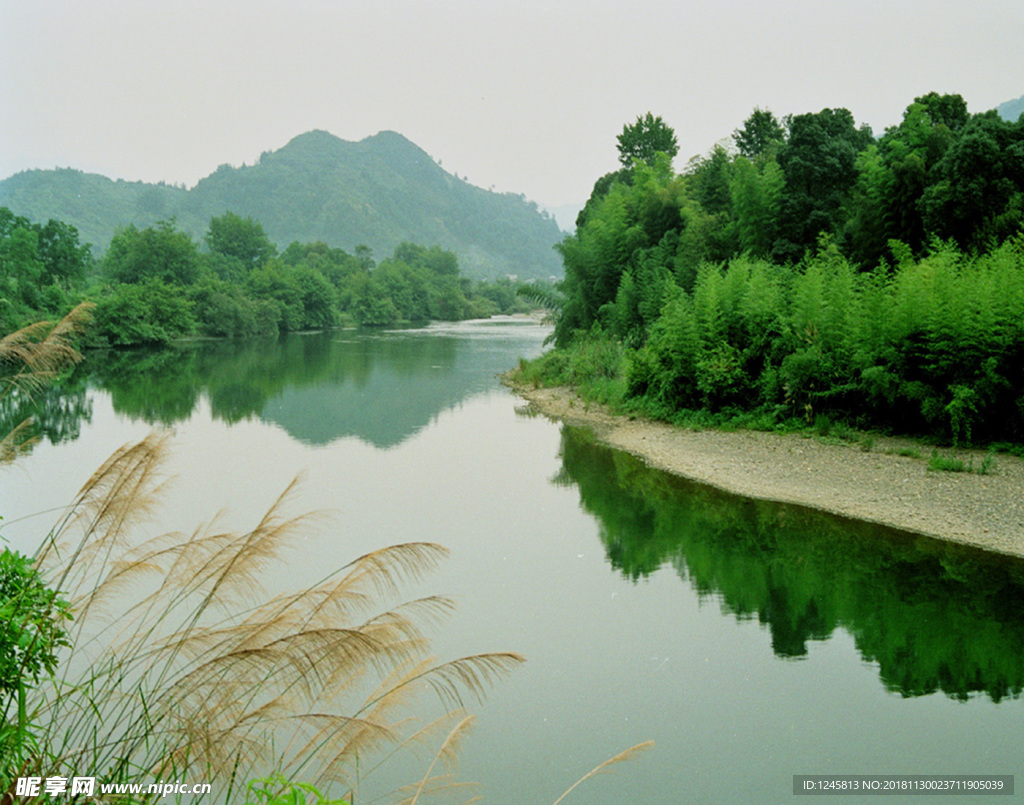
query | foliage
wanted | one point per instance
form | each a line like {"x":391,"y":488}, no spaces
{"x":149,"y":312}
{"x":39,"y":265}
{"x":818,"y":161}
{"x":160,"y":252}
{"x":644,"y":139}
{"x":32,"y":631}
{"x":805,"y":276}
{"x":761,"y":133}
{"x":279,"y":790}
{"x":242,"y":239}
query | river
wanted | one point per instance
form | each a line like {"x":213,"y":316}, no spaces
{"x":750,"y":641}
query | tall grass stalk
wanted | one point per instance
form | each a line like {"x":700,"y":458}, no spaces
{"x":31,"y":358}
{"x":180,"y":669}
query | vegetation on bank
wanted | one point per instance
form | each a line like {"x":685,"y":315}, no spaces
{"x":155,"y":285}
{"x":812,"y":275}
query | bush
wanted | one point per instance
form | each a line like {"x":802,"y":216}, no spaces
{"x":146,"y":313}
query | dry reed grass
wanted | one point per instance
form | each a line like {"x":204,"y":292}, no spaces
{"x":30,"y":359}
{"x":177,"y":672}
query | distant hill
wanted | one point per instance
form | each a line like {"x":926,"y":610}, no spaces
{"x":565,"y":215}
{"x":379,"y":191}
{"x":1011,"y":110}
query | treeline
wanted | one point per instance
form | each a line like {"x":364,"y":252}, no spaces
{"x":154,"y":285}
{"x":810,"y":272}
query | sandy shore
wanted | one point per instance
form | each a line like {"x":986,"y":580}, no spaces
{"x":986,"y":511}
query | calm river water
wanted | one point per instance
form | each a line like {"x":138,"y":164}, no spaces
{"x":750,"y":641}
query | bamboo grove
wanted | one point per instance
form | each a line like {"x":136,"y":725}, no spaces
{"x":811,"y":273}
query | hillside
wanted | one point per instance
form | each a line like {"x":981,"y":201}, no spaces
{"x":1011,"y":110}
{"x":379,"y":191}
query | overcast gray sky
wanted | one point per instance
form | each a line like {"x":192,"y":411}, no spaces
{"x":520,"y":95}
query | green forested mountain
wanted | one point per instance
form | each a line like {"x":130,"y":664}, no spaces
{"x":381,"y":191}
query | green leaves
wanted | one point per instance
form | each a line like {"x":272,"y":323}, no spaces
{"x":279,"y":790}
{"x":645,"y":138}
{"x":159,"y":252}
{"x":32,"y":630}
{"x":31,"y":622}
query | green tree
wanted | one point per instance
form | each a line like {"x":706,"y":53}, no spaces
{"x":643,"y":139}
{"x":756,"y":199}
{"x":159,"y":252}
{"x":761,"y":134}
{"x":149,"y":312}
{"x":819,"y":163}
{"x":65,"y":259}
{"x":978,"y":195}
{"x":240,"y":238}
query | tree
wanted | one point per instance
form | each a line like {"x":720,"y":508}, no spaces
{"x":945,"y":110}
{"x":240,"y":238}
{"x":158,"y":252}
{"x":148,"y":312}
{"x":645,"y":138}
{"x":819,"y":163}
{"x":756,"y":196}
{"x":64,"y":258}
{"x":979,"y":193}
{"x":760,"y":133}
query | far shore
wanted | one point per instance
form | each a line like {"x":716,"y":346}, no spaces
{"x":878,"y":485}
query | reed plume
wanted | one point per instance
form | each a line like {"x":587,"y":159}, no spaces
{"x":30,"y":359}
{"x":178,"y":670}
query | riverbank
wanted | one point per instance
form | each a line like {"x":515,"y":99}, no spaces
{"x":879,"y":484}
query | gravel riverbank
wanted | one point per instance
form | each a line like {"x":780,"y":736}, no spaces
{"x":986,"y":511}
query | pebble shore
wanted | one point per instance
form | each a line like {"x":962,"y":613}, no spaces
{"x":877,"y":484}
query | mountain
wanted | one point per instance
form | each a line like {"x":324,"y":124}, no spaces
{"x":565,"y":215}
{"x":379,"y":191}
{"x":1011,"y":110}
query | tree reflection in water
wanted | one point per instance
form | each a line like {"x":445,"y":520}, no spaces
{"x":933,"y":615}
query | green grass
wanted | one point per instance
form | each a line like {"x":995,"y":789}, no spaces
{"x":940,"y":463}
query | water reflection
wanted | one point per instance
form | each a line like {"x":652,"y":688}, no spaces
{"x":932,"y":615}
{"x":55,"y":414}
{"x":318,"y":387}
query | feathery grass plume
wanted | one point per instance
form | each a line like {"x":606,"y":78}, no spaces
{"x":179,"y":668}
{"x":447,"y":754}
{"x":31,"y":358}
{"x":627,"y":754}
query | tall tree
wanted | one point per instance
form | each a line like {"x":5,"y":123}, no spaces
{"x":761,"y":133}
{"x":819,"y":163}
{"x":979,"y":193}
{"x":240,"y":238}
{"x":65,"y":259}
{"x":158,"y":252}
{"x":646,"y":137}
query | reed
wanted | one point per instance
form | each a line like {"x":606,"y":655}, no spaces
{"x":194,"y":678}
{"x":30,"y":359}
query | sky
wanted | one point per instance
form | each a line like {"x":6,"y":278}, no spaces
{"x":522,"y":96}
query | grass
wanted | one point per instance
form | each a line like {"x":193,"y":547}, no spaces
{"x":199,"y":677}
{"x":594,"y":366}
{"x":940,"y":463}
